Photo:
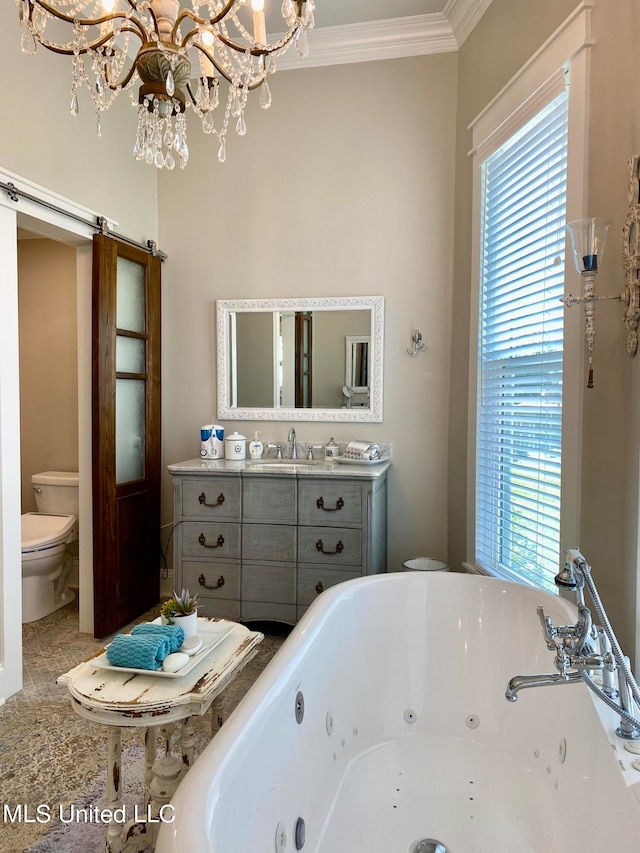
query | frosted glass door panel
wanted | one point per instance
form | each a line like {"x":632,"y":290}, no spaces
{"x":130,"y":355}
{"x":130,"y":300}
{"x":130,"y":429}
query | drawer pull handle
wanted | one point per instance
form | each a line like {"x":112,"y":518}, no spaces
{"x":319,"y":587}
{"x":320,"y":505}
{"x":339,"y":547}
{"x":202,"y":539}
{"x":203,"y":500}
{"x":202,"y":581}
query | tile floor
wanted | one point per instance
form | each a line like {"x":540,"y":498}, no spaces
{"x":48,"y":754}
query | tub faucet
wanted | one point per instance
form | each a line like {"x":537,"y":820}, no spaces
{"x":294,"y":444}
{"x":584,"y":647}
{"x":521,"y":682}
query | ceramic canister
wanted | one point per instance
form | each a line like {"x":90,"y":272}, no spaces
{"x":235,"y":446}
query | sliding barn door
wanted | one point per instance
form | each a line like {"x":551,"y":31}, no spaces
{"x":126,"y":433}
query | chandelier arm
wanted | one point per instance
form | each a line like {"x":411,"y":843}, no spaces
{"x":215,"y":64}
{"x":222,"y":73}
{"x":258,"y":51}
{"x":204,"y":22}
{"x":90,"y":22}
{"x":70,"y":51}
{"x":239,"y":48}
{"x":124,"y":81}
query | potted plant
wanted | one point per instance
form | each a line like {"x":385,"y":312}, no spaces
{"x":182,"y":610}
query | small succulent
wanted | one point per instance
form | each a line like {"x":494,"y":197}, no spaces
{"x":179,"y":605}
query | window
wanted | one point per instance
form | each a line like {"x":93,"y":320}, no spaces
{"x":520,"y":350}
{"x":526,"y":367}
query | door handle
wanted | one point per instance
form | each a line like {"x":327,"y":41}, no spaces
{"x":202,"y":539}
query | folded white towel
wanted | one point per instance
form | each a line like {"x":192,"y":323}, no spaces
{"x":365,"y":450}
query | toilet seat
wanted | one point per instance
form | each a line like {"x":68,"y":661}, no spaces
{"x":45,"y":530}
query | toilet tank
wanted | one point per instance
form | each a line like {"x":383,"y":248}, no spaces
{"x":56,"y":492}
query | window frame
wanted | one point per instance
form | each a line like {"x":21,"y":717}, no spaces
{"x":566,"y":54}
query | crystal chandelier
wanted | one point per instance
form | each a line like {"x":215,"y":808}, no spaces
{"x":118,"y":45}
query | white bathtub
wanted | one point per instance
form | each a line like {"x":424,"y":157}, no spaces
{"x":407,"y":735}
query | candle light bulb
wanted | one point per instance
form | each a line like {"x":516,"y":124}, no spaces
{"x":259,"y":25}
{"x":208,"y":39}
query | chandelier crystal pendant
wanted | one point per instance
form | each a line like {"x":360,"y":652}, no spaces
{"x":154,"y":45}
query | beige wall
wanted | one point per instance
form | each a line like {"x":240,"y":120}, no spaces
{"x":48,"y":361}
{"x":611,"y":425}
{"x":347,"y":186}
{"x":344,"y":187}
{"x":43,"y":142}
{"x":508,"y":34}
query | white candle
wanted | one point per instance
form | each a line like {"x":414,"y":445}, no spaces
{"x":259,"y":23}
{"x":106,"y":26}
{"x":206,"y":66}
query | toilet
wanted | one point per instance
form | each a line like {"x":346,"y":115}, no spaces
{"x":46,"y":534}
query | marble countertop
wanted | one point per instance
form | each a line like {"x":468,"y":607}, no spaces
{"x":283,"y":467}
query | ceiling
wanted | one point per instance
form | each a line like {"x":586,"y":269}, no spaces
{"x":336,"y":13}
{"x":362,"y":30}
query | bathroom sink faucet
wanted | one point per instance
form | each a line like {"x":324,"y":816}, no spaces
{"x":294,"y":444}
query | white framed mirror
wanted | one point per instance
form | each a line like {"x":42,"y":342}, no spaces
{"x":289,"y":359}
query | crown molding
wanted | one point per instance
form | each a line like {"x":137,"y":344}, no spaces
{"x":393,"y":38}
{"x":463,"y":15}
{"x":386,"y":39}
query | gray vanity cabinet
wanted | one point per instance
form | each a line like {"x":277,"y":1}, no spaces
{"x":208,"y":541}
{"x":265,"y":545}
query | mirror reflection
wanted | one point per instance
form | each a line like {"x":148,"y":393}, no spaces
{"x":300,"y":359}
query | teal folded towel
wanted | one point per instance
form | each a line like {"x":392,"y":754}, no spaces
{"x":172,"y":633}
{"x":138,"y":652}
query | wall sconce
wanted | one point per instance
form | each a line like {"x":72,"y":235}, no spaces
{"x":588,"y":238}
{"x":417,"y":344}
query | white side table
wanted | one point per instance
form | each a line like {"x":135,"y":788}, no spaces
{"x":123,"y":698}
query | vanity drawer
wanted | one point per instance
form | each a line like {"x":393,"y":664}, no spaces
{"x":273,"y":542}
{"x":211,"y":540}
{"x":219,"y":608}
{"x":216,"y":579}
{"x":275,"y":583}
{"x":329,"y":502}
{"x":314,"y":580}
{"x":269,"y":499}
{"x":212,"y":498}
{"x":338,"y":545}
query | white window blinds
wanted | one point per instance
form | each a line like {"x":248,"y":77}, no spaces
{"x":519,"y":414}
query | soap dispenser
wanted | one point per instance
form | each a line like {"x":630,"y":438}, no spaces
{"x":255,"y":447}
